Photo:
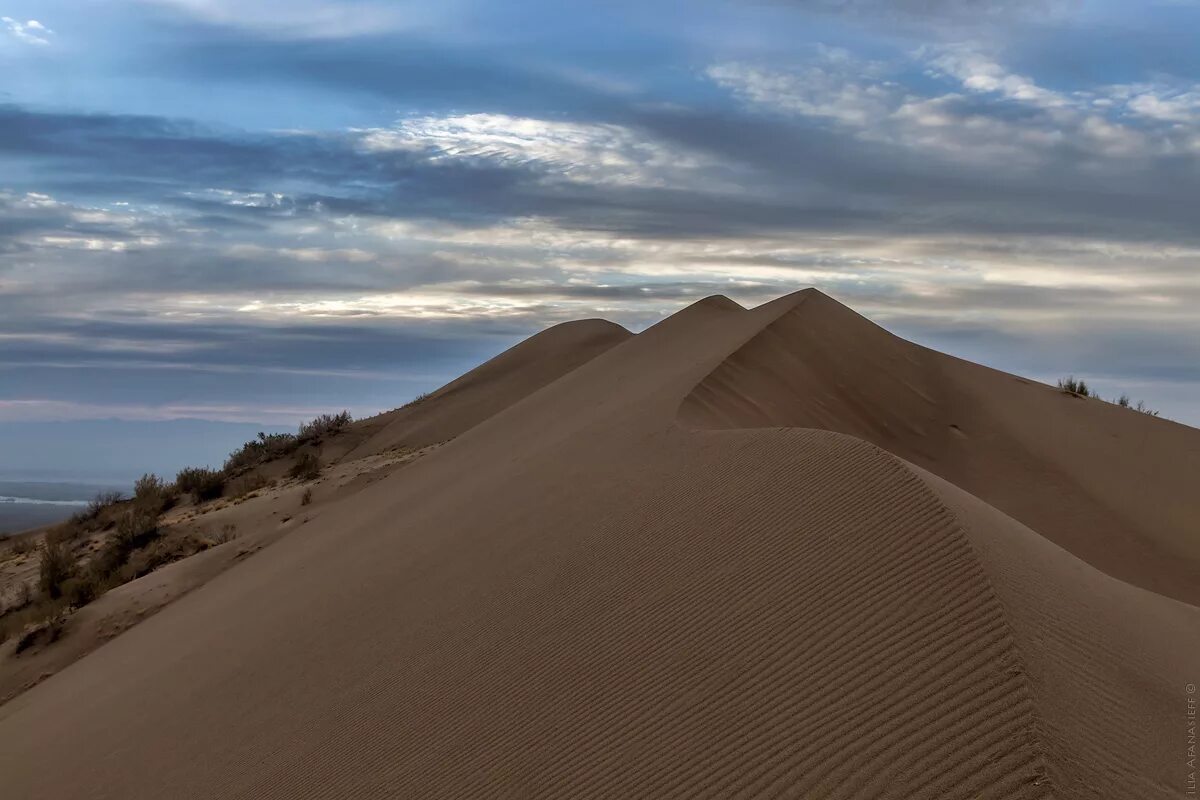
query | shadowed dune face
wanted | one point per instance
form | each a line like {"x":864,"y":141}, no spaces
{"x":629,"y":582}
{"x":1107,"y":484}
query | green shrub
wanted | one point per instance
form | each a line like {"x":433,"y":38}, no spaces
{"x":56,"y":567}
{"x":1079,"y":387}
{"x":201,"y":482}
{"x":306,"y":466}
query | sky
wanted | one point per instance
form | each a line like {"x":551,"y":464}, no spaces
{"x":220,"y":216}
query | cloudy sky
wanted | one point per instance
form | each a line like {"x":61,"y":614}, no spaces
{"x":252,"y":211}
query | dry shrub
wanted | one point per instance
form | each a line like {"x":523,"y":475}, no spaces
{"x":324,"y":425}
{"x":248,"y":483}
{"x":266,"y":447}
{"x":56,"y":567}
{"x":201,"y":482}
{"x":152,"y":493}
{"x":306,"y":466}
{"x":306,"y":498}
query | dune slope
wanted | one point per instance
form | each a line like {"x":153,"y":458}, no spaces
{"x":587,"y":595}
{"x":492,"y":386}
{"x":1113,"y":486}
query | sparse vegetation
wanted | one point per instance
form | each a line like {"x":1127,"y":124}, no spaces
{"x":306,"y":466}
{"x":89,"y":518}
{"x":136,"y":528}
{"x":416,"y":401}
{"x":324,"y":425}
{"x":272,"y":446}
{"x":306,"y":498}
{"x":1079,"y":387}
{"x":21,"y":546}
{"x":266,"y":447}
{"x":1073,"y":386}
{"x":202,"y":483}
{"x":248,"y":484}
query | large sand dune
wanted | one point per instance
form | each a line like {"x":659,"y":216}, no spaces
{"x":746,"y":553}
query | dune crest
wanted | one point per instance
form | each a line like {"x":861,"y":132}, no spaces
{"x":714,"y":559}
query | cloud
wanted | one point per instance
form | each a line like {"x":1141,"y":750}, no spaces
{"x":29,"y":32}
{"x":588,"y":153}
{"x":301,"y":19}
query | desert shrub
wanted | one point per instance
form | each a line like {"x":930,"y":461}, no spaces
{"x":56,"y":567}
{"x":306,"y":466}
{"x":227,"y":533}
{"x":1142,"y":408}
{"x":151,"y":492}
{"x":248,"y":483}
{"x":81,"y":590}
{"x":201,"y":482}
{"x":1075,"y":386}
{"x":324,"y":425}
{"x":266,"y":447}
{"x":85,"y":519}
{"x":306,"y":498}
{"x":136,"y":528}
{"x":416,"y":401}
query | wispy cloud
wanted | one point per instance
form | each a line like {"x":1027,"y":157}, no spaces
{"x":30,"y":32}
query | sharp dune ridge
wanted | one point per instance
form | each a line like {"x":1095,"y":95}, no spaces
{"x":769,"y":552}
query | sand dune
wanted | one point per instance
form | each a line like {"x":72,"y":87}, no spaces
{"x":746,"y":553}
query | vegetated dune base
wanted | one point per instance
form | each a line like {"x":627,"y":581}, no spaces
{"x":709,"y":560}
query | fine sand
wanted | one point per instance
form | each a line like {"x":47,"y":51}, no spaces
{"x":746,"y":553}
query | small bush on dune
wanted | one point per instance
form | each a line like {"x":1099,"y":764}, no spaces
{"x":306,"y":498}
{"x":136,"y":528}
{"x":416,"y":401}
{"x":201,"y":482}
{"x":250,"y":482}
{"x":87,"y":518}
{"x":324,"y":425}
{"x":306,"y":466}
{"x":1079,"y":387}
{"x":81,"y":590}
{"x":151,"y":492}
{"x":56,"y":567}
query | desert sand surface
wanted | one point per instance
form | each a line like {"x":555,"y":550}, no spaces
{"x":774,"y":552}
